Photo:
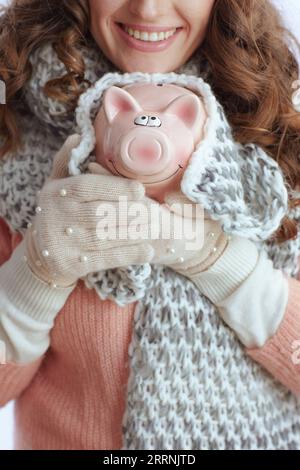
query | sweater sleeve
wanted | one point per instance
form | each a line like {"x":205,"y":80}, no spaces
{"x":28,"y":308}
{"x":262,"y":306}
{"x":250,"y":294}
{"x":14,"y":378}
{"x":280,"y":355}
{"x":264,"y":312}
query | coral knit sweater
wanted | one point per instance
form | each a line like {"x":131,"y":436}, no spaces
{"x":73,"y":397}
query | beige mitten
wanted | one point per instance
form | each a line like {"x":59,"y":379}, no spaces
{"x":209,"y":239}
{"x":62,"y":245}
{"x":188,"y":240}
{"x":221,"y":262}
{"x":183,"y":236}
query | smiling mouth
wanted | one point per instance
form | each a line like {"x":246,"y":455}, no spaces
{"x":152,"y":182}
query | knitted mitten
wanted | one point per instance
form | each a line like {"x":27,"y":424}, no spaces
{"x":184,"y":237}
{"x":194,"y":245}
{"x":202,"y":240}
{"x":62,"y":244}
{"x":221,"y":263}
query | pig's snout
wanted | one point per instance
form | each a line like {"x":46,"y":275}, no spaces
{"x":146,"y":153}
{"x":149,"y":150}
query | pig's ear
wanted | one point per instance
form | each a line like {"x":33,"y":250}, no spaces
{"x":187,"y":108}
{"x":117,"y":100}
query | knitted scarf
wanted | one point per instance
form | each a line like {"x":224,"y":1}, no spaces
{"x":191,"y":385}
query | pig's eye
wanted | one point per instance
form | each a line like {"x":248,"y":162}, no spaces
{"x":141,"y":121}
{"x":154,"y":121}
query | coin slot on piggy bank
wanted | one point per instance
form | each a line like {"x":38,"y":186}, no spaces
{"x":149,"y":133}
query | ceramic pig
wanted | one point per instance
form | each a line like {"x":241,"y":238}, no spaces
{"x":148,"y":132}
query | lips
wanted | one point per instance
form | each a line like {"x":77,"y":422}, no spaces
{"x":148,"y":28}
{"x":145,"y":46}
{"x":149,"y":35}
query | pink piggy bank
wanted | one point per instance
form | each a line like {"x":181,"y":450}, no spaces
{"x":148,"y":132}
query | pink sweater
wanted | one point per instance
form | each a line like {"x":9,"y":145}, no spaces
{"x":74,"y":396}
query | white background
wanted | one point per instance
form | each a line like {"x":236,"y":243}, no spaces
{"x":291,"y":10}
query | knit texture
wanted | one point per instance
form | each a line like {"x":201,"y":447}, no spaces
{"x":188,"y":372}
{"x":286,"y":340}
{"x":52,"y":388}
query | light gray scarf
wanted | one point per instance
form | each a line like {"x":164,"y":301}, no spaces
{"x":191,"y":385}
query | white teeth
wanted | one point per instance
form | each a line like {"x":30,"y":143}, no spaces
{"x":150,"y":37}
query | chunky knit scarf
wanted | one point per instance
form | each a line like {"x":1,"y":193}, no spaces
{"x":191,"y":385}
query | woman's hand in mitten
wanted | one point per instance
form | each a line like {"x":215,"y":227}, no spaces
{"x":195,"y":241}
{"x":62,"y":244}
{"x":216,"y":262}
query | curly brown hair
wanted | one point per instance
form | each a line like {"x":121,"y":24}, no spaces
{"x":246,"y":45}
